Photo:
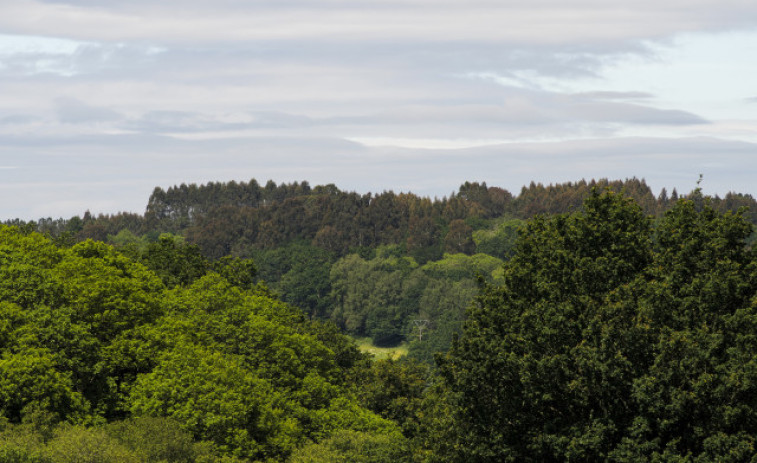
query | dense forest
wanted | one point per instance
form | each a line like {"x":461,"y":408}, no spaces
{"x":589,"y":321}
{"x":395,"y":268}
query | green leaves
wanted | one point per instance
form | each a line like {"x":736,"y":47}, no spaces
{"x":612,"y":341}
{"x":175,"y":262}
{"x":354,"y":447}
{"x":88,"y":336}
{"x":107,"y":290}
{"x":30,"y":382}
{"x":138,"y":440}
{"x":215,"y":398}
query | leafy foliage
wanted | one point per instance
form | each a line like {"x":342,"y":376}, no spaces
{"x":175,"y":262}
{"x":612,"y":341}
{"x":354,"y":447}
{"x":90,"y":336}
{"x":623,"y":330}
{"x":139,"y":440}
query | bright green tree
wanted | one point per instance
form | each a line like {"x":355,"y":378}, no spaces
{"x":89,"y":336}
{"x":217,"y":399}
{"x":355,"y":447}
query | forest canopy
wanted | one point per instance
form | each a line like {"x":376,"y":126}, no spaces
{"x":89,"y":336}
{"x":609,"y":326}
{"x":612,"y":340}
{"x":305,"y":242}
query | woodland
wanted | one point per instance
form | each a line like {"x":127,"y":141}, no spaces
{"x":586,"y":321}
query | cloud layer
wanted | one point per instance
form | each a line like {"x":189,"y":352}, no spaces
{"x":103,"y":102}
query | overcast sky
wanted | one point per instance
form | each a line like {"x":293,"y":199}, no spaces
{"x":101,"y":101}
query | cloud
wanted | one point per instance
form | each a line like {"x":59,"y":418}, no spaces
{"x":591,"y":110}
{"x":615,"y":96}
{"x":194,"y":122}
{"x":73,"y":111}
{"x":142,"y":93}
{"x":550,"y":22}
{"x":124,"y":169}
{"x":18,"y":119}
{"x":521,"y":114}
{"x":670,"y":163}
{"x":175,"y":121}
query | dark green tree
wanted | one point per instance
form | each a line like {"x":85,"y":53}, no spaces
{"x":459,"y":238}
{"x":499,"y":241}
{"x":609,"y":342}
{"x":174,"y":261}
{"x":239,"y":272}
{"x":394,"y":389}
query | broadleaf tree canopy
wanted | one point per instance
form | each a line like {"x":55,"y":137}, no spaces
{"x":612,"y":340}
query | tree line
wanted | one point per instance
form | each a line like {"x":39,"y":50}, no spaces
{"x":228,"y":218}
{"x":385,"y":266}
{"x":233,"y":217}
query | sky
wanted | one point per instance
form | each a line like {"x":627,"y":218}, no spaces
{"x":102,"y":101}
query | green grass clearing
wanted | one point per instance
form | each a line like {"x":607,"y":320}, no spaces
{"x":365,"y":345}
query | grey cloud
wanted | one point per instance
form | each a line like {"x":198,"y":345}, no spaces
{"x":615,"y":96}
{"x":112,"y":167}
{"x":277,"y":119}
{"x":18,"y":119}
{"x":523,"y":107}
{"x":546,"y":22}
{"x":445,"y":55}
{"x":632,"y":114}
{"x":116,"y":58}
{"x":29,"y":64}
{"x":427,"y":171}
{"x":73,"y":111}
{"x":173,"y":121}
{"x":662,"y":162}
{"x":303,"y":75}
{"x":87,"y":58}
{"x":247,"y":63}
{"x":195,"y":122}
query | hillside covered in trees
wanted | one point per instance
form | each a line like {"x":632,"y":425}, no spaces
{"x":391,"y":267}
{"x":233,"y":218}
{"x":617,"y":331}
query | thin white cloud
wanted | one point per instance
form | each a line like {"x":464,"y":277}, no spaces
{"x":536,"y":22}
{"x":615,"y":96}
